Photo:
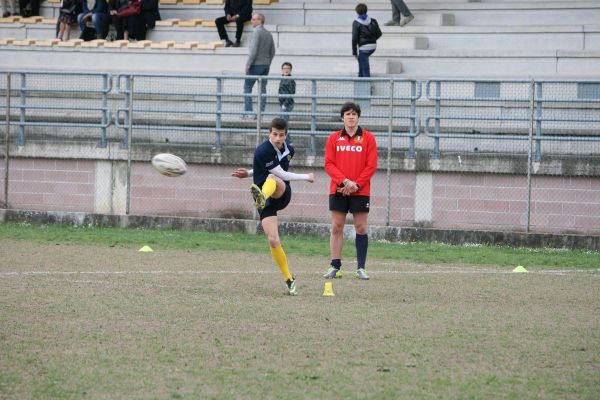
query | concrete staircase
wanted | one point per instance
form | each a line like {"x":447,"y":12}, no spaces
{"x":462,"y":38}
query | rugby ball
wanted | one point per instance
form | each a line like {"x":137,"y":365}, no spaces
{"x":169,"y":164}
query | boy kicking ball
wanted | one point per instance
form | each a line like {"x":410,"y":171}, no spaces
{"x":272,"y":191}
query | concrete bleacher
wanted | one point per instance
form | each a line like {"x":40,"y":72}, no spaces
{"x":487,"y":38}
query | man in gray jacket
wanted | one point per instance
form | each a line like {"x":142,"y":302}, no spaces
{"x":262,"y":51}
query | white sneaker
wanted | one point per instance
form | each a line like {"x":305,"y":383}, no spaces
{"x":406,"y":20}
{"x":291,"y":285}
{"x":362,"y":274}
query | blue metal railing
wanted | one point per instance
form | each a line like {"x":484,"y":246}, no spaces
{"x":452,"y":109}
{"x":319,"y":99}
{"x":46,"y":86}
{"x":448,"y":94}
{"x":541,"y":103}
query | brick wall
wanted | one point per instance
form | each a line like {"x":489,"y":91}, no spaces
{"x":51,"y":185}
{"x":459,"y":200}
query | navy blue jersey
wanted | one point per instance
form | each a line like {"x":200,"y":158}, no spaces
{"x":266,"y":157}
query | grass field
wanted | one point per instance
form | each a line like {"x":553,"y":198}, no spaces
{"x":83,"y":314}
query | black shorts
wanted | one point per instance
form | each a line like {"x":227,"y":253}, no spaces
{"x":273,"y":205}
{"x":352,"y":204}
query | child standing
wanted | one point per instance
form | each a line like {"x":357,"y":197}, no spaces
{"x":287,"y":87}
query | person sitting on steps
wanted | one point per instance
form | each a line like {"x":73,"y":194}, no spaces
{"x":95,"y":15}
{"x":238,"y":11}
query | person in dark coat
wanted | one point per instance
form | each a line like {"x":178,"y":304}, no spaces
{"x":118,"y":23}
{"x":287,"y":88}
{"x":29,"y":8}
{"x":238,"y":11}
{"x":365,"y":32}
{"x":135,"y":27}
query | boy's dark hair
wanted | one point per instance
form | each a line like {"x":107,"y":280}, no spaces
{"x":289,"y":64}
{"x":349,"y":106}
{"x":361,"y":9}
{"x":279,"y":123}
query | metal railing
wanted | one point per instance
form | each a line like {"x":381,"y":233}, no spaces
{"x":504,"y":112}
{"x":555,"y":119}
{"x":59,"y":100}
{"x":457,"y":114}
{"x":214,"y":104}
{"x":560,"y":104}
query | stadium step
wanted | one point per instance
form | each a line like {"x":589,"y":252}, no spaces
{"x":460,"y":38}
{"x":464,"y":13}
{"x":195,"y":30}
{"x":564,"y":37}
{"x":195,"y":58}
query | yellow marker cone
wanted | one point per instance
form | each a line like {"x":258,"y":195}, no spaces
{"x":328,"y":289}
{"x":519,"y":268}
{"x":146,"y":249}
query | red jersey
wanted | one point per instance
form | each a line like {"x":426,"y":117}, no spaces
{"x":353,"y":158}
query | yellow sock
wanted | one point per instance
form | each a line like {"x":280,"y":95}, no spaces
{"x":281,"y":260}
{"x":269,"y":187}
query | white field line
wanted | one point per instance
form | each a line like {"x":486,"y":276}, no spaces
{"x":448,"y":271}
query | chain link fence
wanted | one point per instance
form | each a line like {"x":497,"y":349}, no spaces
{"x":518,"y":155}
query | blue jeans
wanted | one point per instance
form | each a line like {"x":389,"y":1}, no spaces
{"x":97,"y":19}
{"x":285,"y":112}
{"x":249,"y":84}
{"x":364,"y":70}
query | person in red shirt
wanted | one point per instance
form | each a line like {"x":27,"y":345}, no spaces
{"x":350,"y":161}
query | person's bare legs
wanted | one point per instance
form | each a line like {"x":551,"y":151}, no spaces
{"x":61,"y":30}
{"x":336,"y":239}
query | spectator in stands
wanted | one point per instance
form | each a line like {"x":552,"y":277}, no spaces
{"x":135,"y":27}
{"x":365,"y":32}
{"x":118,"y":23}
{"x":146,"y":20}
{"x":94,"y":13}
{"x":262,"y":51}
{"x":29,"y":8}
{"x":13,"y":8}
{"x":67,"y":17}
{"x":238,"y":11}
{"x":399,"y":8}
{"x":287,"y":87}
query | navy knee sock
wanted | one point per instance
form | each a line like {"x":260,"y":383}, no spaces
{"x":362,"y":244}
{"x":336,"y":263}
